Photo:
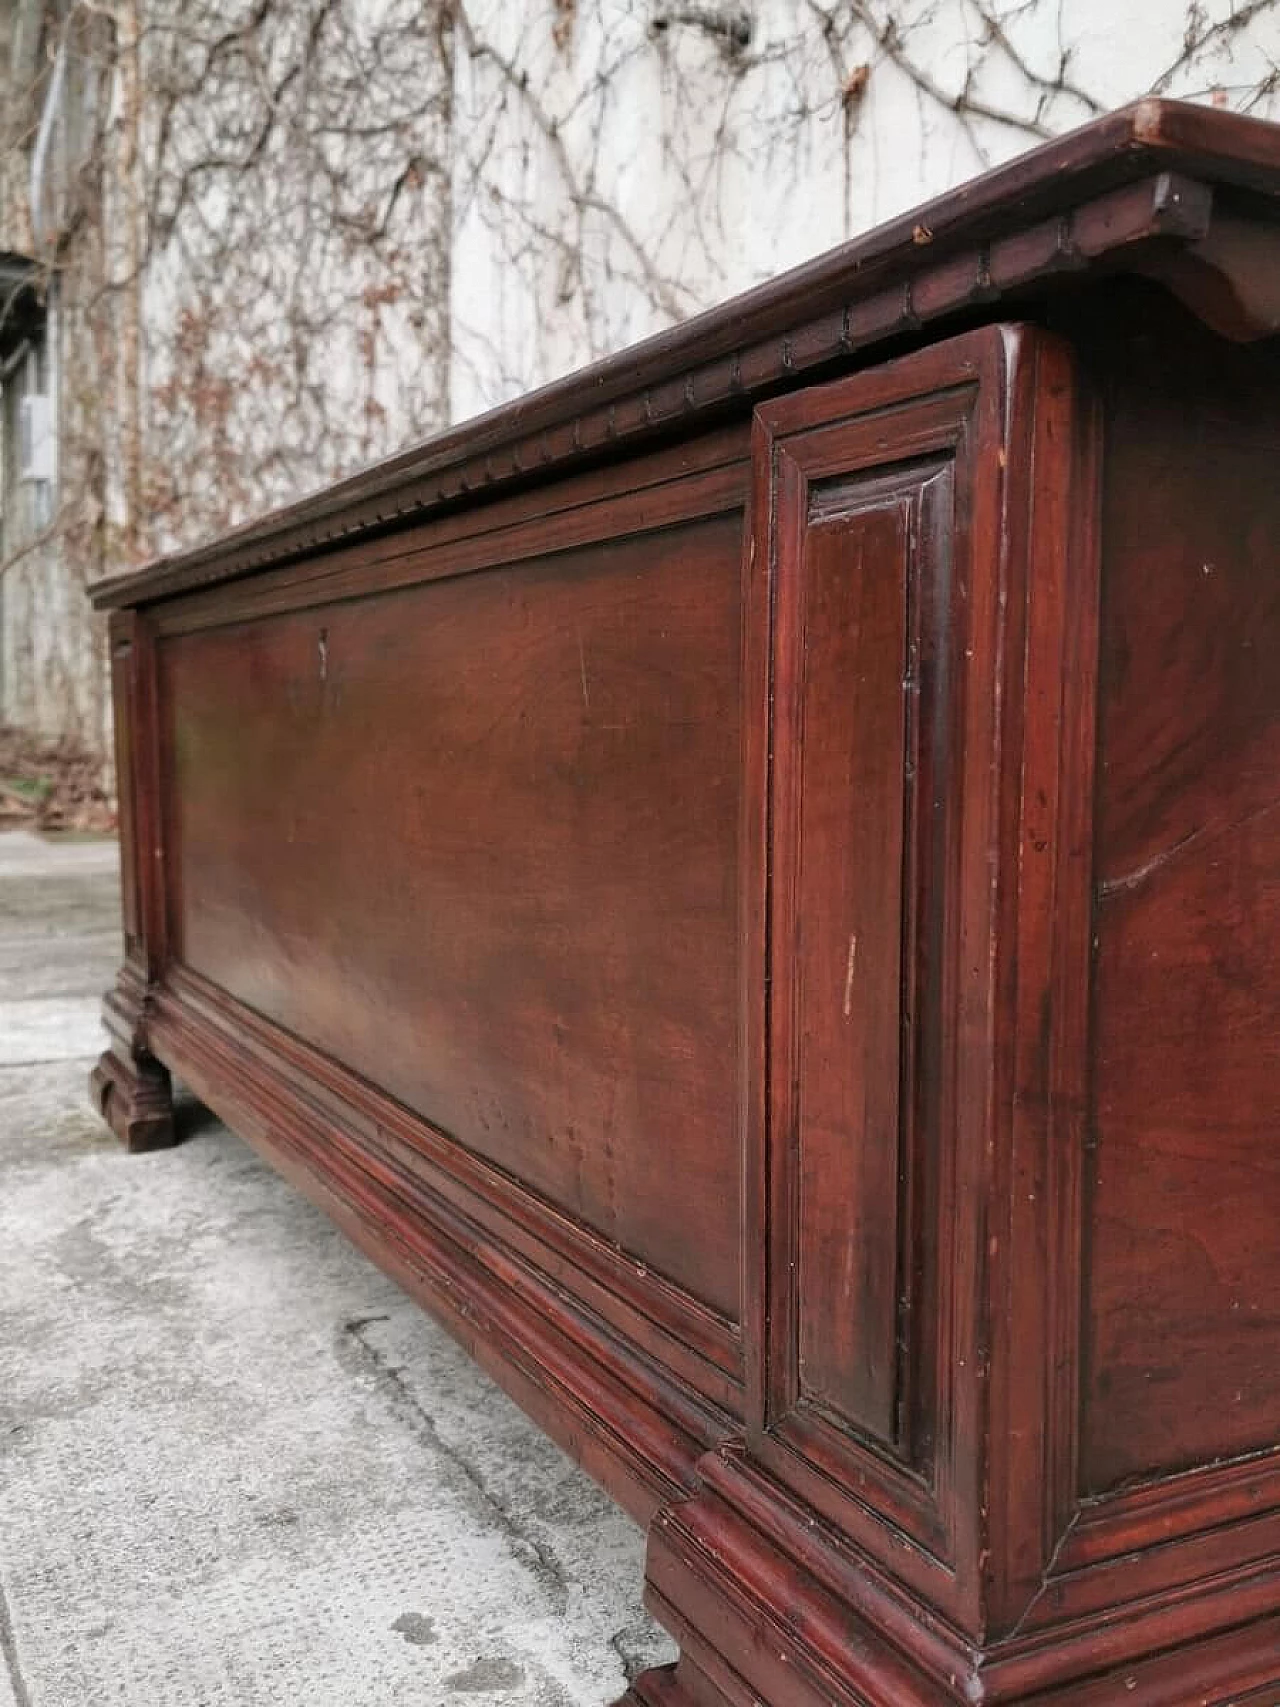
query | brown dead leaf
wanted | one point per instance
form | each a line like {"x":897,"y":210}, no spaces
{"x":855,"y":85}
{"x":51,"y":785}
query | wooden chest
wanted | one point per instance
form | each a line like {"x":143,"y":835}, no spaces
{"x":750,"y":881}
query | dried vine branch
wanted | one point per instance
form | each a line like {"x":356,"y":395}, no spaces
{"x":294,"y":235}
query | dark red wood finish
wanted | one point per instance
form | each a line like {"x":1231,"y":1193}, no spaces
{"x":749,"y":881}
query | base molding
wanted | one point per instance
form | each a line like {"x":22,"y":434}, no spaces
{"x":772,"y":1605}
{"x":129,"y":1087}
{"x":608,"y":1403}
{"x":759,"y":1627}
{"x":761,"y":1631}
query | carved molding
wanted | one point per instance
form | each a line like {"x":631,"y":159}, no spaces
{"x":1128,"y":193}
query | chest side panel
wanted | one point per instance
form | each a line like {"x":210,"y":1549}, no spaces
{"x":1184,"y":1176}
{"x":476,"y":839}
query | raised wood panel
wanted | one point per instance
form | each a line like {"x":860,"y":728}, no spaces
{"x":1183,"y":1261}
{"x":855,"y":572}
{"x":863,"y":605}
{"x":478,"y":842}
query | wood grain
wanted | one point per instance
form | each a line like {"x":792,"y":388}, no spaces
{"x":530,"y":780}
{"x":750,"y":882}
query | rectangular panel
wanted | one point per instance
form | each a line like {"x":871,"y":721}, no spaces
{"x":478,"y":841}
{"x":869,"y":559}
{"x":1184,"y":1170}
{"x":870,"y":1338}
{"x":926,"y":904}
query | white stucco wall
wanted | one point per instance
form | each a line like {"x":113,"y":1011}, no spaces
{"x":453,"y":204}
{"x":728,"y":164}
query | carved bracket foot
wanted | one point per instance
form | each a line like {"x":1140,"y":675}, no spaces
{"x":135,"y":1098}
{"x":130,"y":1089}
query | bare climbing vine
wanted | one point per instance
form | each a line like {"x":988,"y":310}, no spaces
{"x":287,"y":236}
{"x":636,"y":162}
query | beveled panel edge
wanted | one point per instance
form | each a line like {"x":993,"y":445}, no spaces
{"x":1075,"y":203}
{"x":714,"y":1559}
{"x":1126,"y":1551}
{"x":808,"y":1441}
{"x":1110,"y":1525}
{"x":440,"y":1180}
{"x":1075,"y":1664}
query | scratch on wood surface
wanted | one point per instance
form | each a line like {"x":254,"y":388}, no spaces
{"x":582,"y":666}
{"x":848,"y":974}
{"x":1132,"y":879}
{"x":1206,"y":833}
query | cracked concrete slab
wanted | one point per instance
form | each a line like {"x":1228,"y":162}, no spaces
{"x":237,"y":1465}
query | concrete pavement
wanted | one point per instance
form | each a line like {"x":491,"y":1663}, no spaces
{"x":237,"y":1465}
